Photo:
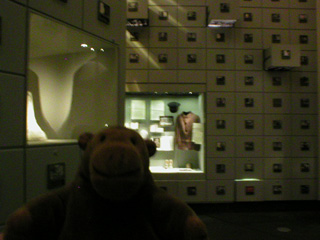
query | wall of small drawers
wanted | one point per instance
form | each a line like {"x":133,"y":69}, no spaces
{"x":261,"y":126}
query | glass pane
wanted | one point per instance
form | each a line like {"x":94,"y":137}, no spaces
{"x":72,"y":82}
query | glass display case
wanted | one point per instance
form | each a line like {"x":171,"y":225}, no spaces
{"x":72,"y":82}
{"x":175,"y":122}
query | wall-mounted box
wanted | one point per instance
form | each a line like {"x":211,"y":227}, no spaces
{"x":281,"y":57}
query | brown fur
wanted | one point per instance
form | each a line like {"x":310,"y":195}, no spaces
{"x":113,"y":197}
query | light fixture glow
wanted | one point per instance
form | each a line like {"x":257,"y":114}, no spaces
{"x":84,"y":45}
{"x":92,"y":49}
{"x":101,"y":49}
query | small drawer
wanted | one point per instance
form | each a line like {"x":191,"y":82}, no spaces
{"x":13,"y":49}
{"x":220,"y":146}
{"x":220,"y":38}
{"x":248,"y":38}
{"x":164,"y":16}
{"x":277,"y":190}
{"x":69,"y":11}
{"x":96,"y":19}
{"x":304,"y":146}
{"x":277,"y":81}
{"x":11,"y":182}
{"x":136,"y":76}
{"x":277,"y":168}
{"x":62,"y":162}
{"x":249,"y":60}
{"x":221,"y":81}
{"x":249,"y":18}
{"x":193,"y":191}
{"x":275,"y":36}
{"x":249,"y":81}
{"x":275,"y":18}
{"x":249,"y":103}
{"x":304,"y":82}
{"x":12,"y":110}
{"x":249,"y":146}
{"x":163,"y":37}
{"x":304,"y":168}
{"x":249,"y":124}
{"x":192,"y":58}
{"x":163,"y":58}
{"x":221,"y":124}
{"x":223,"y":9}
{"x":219,"y":59}
{"x":137,"y":58}
{"x":189,"y":37}
{"x":308,"y":62}
{"x":192,"y":76}
{"x":304,"y":103}
{"x":137,"y":38}
{"x":192,"y":16}
{"x":304,"y":125}
{"x":302,"y":19}
{"x":221,"y":168}
{"x":277,"y":146}
{"x":163,"y":76}
{"x":220,"y":191}
{"x":170,"y":187}
{"x":277,"y":125}
{"x":304,"y":189}
{"x":279,"y":103}
{"x":249,"y":168}
{"x":247,"y":191}
{"x":220,"y":102}
{"x":307,"y":39}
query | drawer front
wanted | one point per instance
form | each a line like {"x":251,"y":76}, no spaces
{"x":12,"y":110}
{"x":69,"y":11}
{"x":48,"y":168}
{"x":12,"y":48}
{"x":97,"y":20}
{"x":11,"y":182}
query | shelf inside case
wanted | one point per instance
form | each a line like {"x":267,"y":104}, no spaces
{"x":72,"y":82}
{"x":175,"y":122}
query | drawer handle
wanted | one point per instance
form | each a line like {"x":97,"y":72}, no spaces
{"x":65,"y":1}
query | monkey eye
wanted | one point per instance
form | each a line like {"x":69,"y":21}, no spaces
{"x":102,"y":138}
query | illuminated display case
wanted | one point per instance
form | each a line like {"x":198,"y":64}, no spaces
{"x":175,"y":122}
{"x":72,"y":82}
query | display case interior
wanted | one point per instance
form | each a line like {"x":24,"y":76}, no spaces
{"x":175,"y":122}
{"x":72,"y":82}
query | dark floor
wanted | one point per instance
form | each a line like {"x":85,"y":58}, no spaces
{"x":261,"y":221}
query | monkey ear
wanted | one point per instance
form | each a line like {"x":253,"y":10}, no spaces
{"x":84,"y":139}
{"x":151,"y":146}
